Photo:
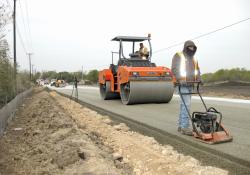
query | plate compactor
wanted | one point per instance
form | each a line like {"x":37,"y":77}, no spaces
{"x":207,"y":126}
{"x":136,"y":79}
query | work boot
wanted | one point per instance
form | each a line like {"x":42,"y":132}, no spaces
{"x":186,"y":131}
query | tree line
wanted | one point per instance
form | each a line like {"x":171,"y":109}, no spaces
{"x":233,"y":75}
{"x":7,"y":81}
{"x":92,"y":75}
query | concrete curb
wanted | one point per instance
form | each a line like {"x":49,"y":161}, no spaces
{"x":8,"y":111}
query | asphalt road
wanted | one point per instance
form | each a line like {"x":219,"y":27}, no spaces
{"x":236,"y":117}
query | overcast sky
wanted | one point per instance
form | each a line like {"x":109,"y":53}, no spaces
{"x":69,"y":34}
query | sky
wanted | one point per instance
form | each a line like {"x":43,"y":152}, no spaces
{"x":67,"y":35}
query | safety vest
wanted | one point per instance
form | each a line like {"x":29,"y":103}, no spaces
{"x":183,"y":71}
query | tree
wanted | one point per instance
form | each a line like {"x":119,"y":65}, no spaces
{"x":93,"y":76}
{"x":68,"y":77}
{"x":6,"y":68}
{"x":6,"y":79}
{"x":37,"y":76}
{"x":79,"y":75}
{"x":235,"y":74}
{"x":23,"y":81}
{"x":5,"y":17}
{"x":49,"y":75}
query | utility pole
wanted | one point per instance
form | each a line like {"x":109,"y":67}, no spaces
{"x":29,"y":54}
{"x":32,"y":70}
{"x":14,"y":45}
{"x":82,"y":72}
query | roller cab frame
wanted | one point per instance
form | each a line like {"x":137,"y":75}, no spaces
{"x":136,"y":80}
{"x":207,"y":125}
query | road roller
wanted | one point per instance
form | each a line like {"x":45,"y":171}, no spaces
{"x":135,"y":79}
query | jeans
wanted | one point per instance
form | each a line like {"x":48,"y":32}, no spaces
{"x":183,"y":121}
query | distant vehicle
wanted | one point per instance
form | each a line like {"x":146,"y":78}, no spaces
{"x":40,"y":82}
{"x":46,"y":82}
{"x":87,"y":82}
{"x":53,"y":82}
{"x":60,"y":83}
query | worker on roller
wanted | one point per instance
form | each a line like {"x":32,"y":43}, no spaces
{"x":143,"y":51}
{"x":185,"y":69}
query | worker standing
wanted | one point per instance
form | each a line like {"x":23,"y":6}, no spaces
{"x":143,"y":51}
{"x":185,"y":69}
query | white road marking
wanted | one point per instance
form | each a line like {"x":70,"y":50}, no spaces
{"x":231,"y":100}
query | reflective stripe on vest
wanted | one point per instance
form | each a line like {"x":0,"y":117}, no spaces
{"x":183,"y":71}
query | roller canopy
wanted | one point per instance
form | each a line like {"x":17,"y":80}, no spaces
{"x":130,"y":38}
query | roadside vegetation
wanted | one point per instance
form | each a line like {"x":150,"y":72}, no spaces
{"x":91,"y":76}
{"x":7,"y":82}
{"x":6,"y":68}
{"x":231,"y":75}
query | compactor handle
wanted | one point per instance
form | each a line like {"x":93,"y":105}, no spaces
{"x":196,"y":92}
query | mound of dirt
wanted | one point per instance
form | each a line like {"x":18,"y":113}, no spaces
{"x":44,"y":139}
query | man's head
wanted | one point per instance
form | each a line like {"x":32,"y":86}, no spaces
{"x":141,"y":45}
{"x":189,"y":48}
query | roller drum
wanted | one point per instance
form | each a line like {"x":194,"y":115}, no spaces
{"x":146,"y":92}
{"x":106,"y":93}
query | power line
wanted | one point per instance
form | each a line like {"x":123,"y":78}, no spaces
{"x":28,"y":19}
{"x":18,"y":31}
{"x":29,"y":55}
{"x":21,"y":39}
{"x":24,"y":24}
{"x":203,"y":35}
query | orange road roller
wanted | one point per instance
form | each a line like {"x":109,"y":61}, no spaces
{"x":135,"y":79}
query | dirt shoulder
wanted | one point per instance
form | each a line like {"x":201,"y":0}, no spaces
{"x":53,"y":135}
{"x":44,"y":139}
{"x":227,"y":91}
